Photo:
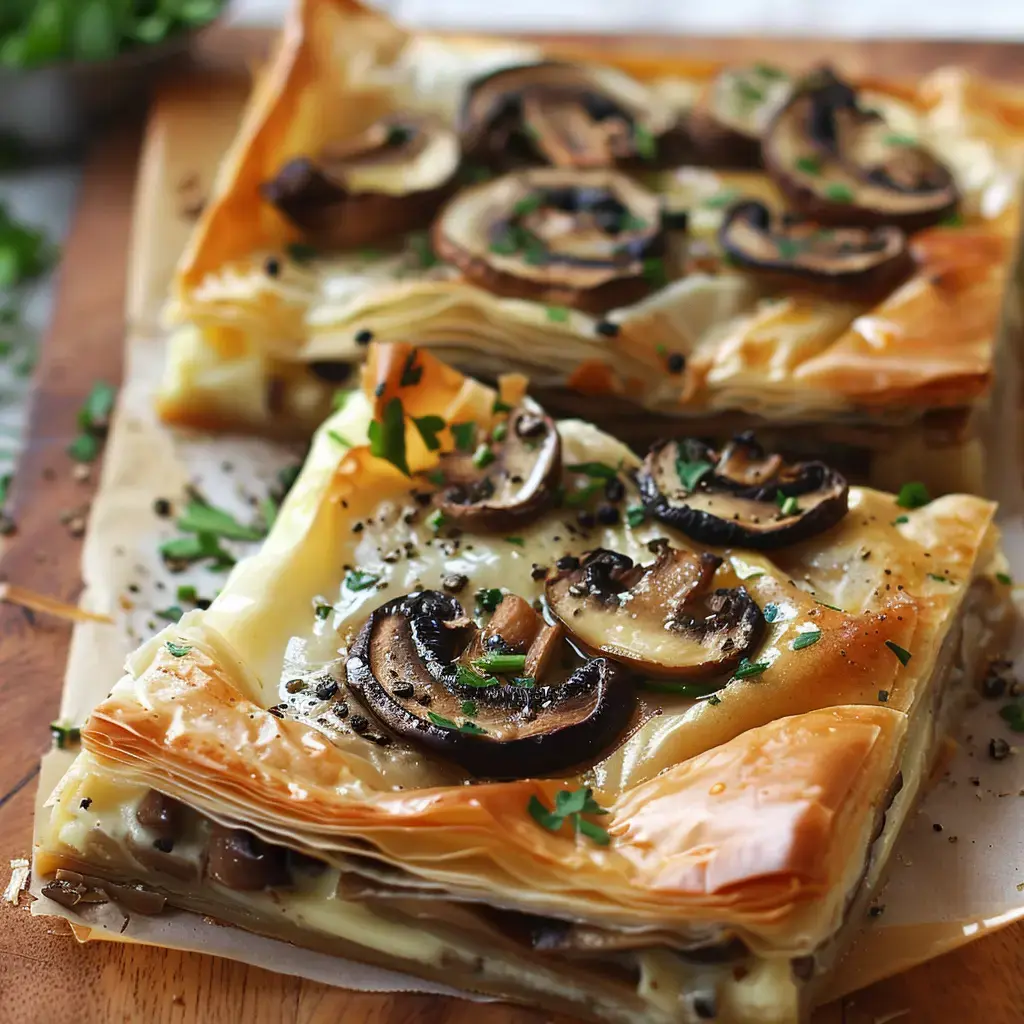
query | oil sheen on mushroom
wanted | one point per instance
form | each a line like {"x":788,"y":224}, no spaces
{"x":387,"y":180}
{"x":740,"y":496}
{"x":566,"y":115}
{"x":665,"y":619}
{"x":847,"y":262}
{"x":502,"y":484}
{"x":729,"y":118}
{"x":434,"y":678}
{"x":590,"y":240}
{"x":841,"y":163}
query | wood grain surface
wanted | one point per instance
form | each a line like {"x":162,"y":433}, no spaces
{"x":45,"y":976}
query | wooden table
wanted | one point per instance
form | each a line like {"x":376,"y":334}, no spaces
{"x":45,"y":976}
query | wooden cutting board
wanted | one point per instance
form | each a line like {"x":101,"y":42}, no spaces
{"x":45,"y":976}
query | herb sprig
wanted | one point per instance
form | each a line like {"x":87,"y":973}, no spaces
{"x":571,"y":805}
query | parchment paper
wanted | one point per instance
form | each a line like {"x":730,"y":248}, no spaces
{"x":946,"y":887}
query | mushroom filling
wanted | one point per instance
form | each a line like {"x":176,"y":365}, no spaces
{"x":510,"y":700}
{"x":663,"y":619}
{"x":563,"y":115}
{"x":741,"y":495}
{"x":389,"y":178}
{"x":756,"y":239}
{"x":591,"y":240}
{"x":736,"y":107}
{"x":842,"y":163}
{"x":506,"y":480}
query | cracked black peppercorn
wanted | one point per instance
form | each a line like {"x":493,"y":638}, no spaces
{"x":327,"y":689}
{"x":364,"y":337}
{"x":163,"y":845}
{"x":607,"y":515}
{"x":993,"y":686}
{"x":538,"y":572}
{"x":585,"y":518}
{"x":998,"y":749}
{"x":454,"y":582}
{"x":272,"y":266}
{"x":607,"y":328}
{"x":567,"y":562}
{"x":676,"y":362}
{"x":359,"y":724}
{"x":162,"y":507}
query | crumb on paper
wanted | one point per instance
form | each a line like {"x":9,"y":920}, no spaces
{"x":19,"y":880}
{"x":1020,"y":887}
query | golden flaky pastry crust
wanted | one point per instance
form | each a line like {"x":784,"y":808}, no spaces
{"x":785,"y":357}
{"x":752,"y":813}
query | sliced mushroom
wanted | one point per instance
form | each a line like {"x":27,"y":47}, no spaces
{"x":501,"y":485}
{"x":847,"y":262}
{"x":740,"y":496}
{"x":661,"y":619}
{"x":479,"y":712}
{"x":840,"y":163}
{"x":729,"y":118}
{"x":567,"y":115}
{"x":162,"y":815}
{"x":242,"y":861}
{"x":388,"y":180}
{"x":591,"y":240}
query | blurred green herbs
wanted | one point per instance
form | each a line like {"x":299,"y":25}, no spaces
{"x":38,"y":32}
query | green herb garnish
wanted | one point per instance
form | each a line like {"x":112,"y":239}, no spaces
{"x":501,"y":663}
{"x":721,"y":199}
{"x":170,"y":614}
{"x":356,"y":579}
{"x":177,"y":650}
{"x":558,"y":314}
{"x":788,"y":505}
{"x":499,"y":433}
{"x":428,"y":427}
{"x":528,"y":204}
{"x":436,"y":520}
{"x":197,"y":548}
{"x":483,"y":456}
{"x":419,"y":242}
{"x":93,"y":420}
{"x":489,"y":598}
{"x":746,"y":669}
{"x":644,"y":142}
{"x":1005,"y":579}
{"x":411,"y":373}
{"x":938,"y":579}
{"x":654,"y":271}
{"x":187,"y":593}
{"x":582,"y":495}
{"x":468,"y":707}
{"x":387,"y":436}
{"x":518,"y":541}
{"x":771,"y":612}
{"x":338,"y":439}
{"x":571,"y":805}
{"x":323,"y":611}
{"x":525,"y":682}
{"x":301,"y":252}
{"x":691,"y":473}
{"x":200,"y":517}
{"x":809,"y":165}
{"x":635,"y":515}
{"x":467,"y":677}
{"x":806,"y":639}
{"x":693,"y":691}
{"x":447,"y":723}
{"x":84,"y":448}
{"x":839,"y":193}
{"x":598,"y":470}
{"x":900,"y":652}
{"x":1013,"y":715}
{"x":913,"y":495}
{"x":464,"y":435}
{"x":64,"y":734}
{"x":895,"y":139}
{"x":900,"y":520}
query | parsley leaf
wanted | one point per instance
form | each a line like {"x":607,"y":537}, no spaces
{"x":635,"y":515}
{"x":597,"y":470}
{"x":356,"y":579}
{"x":429,"y":427}
{"x":196,"y":548}
{"x":1005,"y":579}
{"x":571,"y":805}
{"x":199,"y":517}
{"x":747,"y":669}
{"x":387,"y":436}
{"x":691,"y":473}
{"x":913,"y":495}
{"x":489,"y":598}
{"x":411,"y":373}
{"x":178,"y":650}
{"x":464,"y":436}
{"x":900,"y":652}
{"x":806,"y":639}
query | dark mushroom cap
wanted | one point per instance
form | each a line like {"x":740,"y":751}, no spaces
{"x":387,"y":180}
{"x":591,"y":240}
{"x":731,"y":114}
{"x":847,"y":262}
{"x":840,"y":163}
{"x":566,"y":115}
{"x":741,"y":496}
{"x":240,"y":860}
{"x":662,"y":619}
{"x":567,"y":715}
{"x":515,"y":485}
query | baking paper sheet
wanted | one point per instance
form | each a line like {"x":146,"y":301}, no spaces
{"x":946,"y":887}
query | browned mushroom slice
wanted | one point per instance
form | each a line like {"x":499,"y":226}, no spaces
{"x":740,"y":496}
{"x":567,"y":115}
{"x":840,"y":163}
{"x":387,"y":180}
{"x":591,"y":240}
{"x":431,"y":677}
{"x":662,"y":619}
{"x":500,"y":485}
{"x":729,"y":118}
{"x":238,"y":859}
{"x":847,"y":262}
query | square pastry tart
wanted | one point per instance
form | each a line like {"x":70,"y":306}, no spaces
{"x":832,"y":263}
{"x":502,"y":704}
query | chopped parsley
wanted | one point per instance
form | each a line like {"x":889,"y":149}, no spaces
{"x":654,"y":271}
{"x":472,"y":728}
{"x":635,"y":515}
{"x":419,"y":243}
{"x":525,"y":682}
{"x":839,"y":193}
{"x":747,"y":669}
{"x":896,"y":139}
{"x":178,"y":650}
{"x":300,"y":252}
{"x":582,"y":495}
{"x":598,"y":470}
{"x":691,"y":473}
{"x":489,"y":598}
{"x":499,"y":406}
{"x":436,"y":519}
{"x":323,"y":611}
{"x":428,"y":428}
{"x":694,"y":691}
{"x":644,"y":142}
{"x":197,"y":548}
{"x":170,"y":614}
{"x":900,"y":520}
{"x":1005,"y":579}
{"x":447,"y":723}
{"x":387,"y":436}
{"x":954,"y":220}
{"x":900,"y":652}
{"x":809,"y":165}
{"x":714,"y":700}
{"x":1013,"y":716}
{"x":499,"y":433}
{"x":187,"y":593}
{"x":464,"y":436}
{"x":338,"y":439}
{"x":558,"y":314}
{"x":356,"y":579}
{"x":721,"y":199}
{"x":341,"y":398}
{"x":518,"y":541}
{"x":93,"y":421}
{"x":528,"y":204}
{"x":771,"y":612}
{"x":201,"y":517}
{"x":64,"y":734}
{"x":571,"y":805}
{"x":938,"y":578}
{"x":913,"y":495}
{"x":483,"y":456}
{"x":468,"y":707}
{"x":501,"y":663}
{"x":805,"y":639}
